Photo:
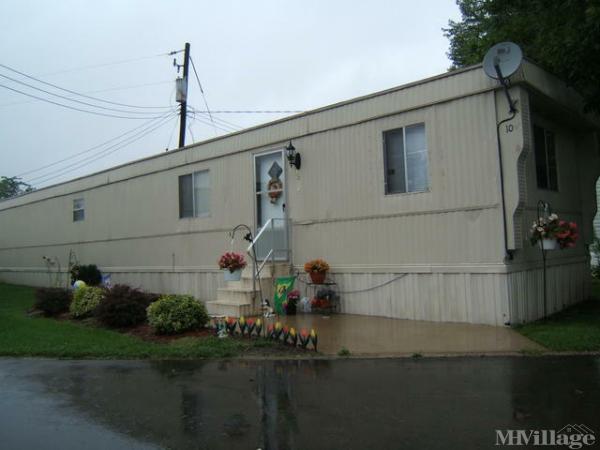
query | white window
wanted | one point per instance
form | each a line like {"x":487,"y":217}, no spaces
{"x":405,"y":159}
{"x":194,"y":194}
{"x":78,"y":210}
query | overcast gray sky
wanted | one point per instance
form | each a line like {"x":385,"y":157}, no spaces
{"x":250,"y":55}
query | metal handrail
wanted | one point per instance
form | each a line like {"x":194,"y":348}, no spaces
{"x":271,"y":253}
{"x":259,"y":234}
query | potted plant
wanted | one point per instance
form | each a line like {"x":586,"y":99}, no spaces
{"x":232,"y":265}
{"x":552,"y":233}
{"x":317,"y":269}
{"x":292,"y":301}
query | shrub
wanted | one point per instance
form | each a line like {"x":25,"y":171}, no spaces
{"x":88,"y":273}
{"x":85,"y":301}
{"x":52,"y":301}
{"x":123,"y":306}
{"x":176,"y":314}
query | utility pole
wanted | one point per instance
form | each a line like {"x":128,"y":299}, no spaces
{"x":183,"y":100}
{"x":181,"y":88}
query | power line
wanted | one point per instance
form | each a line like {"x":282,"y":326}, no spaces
{"x":115,"y":88}
{"x":78,"y":93}
{"x":202,"y":91}
{"x":73,"y":107}
{"x":171,"y":136}
{"x":222,"y":128}
{"x":73,"y":99}
{"x":89,"y":149}
{"x":106,"y":152}
{"x":101,"y":153}
{"x":113,"y":63}
{"x":220,"y":121}
{"x":260,"y":111}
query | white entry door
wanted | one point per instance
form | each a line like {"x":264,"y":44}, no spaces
{"x":270,"y":196}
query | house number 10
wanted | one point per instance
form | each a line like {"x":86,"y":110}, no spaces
{"x":509,"y":128}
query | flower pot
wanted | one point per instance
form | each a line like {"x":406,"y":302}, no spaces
{"x":236,"y":275}
{"x":290,"y":310}
{"x":549,"y":244}
{"x":317,"y":277}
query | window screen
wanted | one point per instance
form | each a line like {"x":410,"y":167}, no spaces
{"x":78,"y":210}
{"x":545,"y":159}
{"x":406,"y":160}
{"x":194,"y":194}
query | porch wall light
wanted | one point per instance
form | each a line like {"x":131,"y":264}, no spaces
{"x":293,"y":157}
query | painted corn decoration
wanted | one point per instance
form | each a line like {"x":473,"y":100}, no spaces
{"x":230,"y":324}
{"x":243,"y":325}
{"x":314,"y":338}
{"x":304,"y":338}
{"x":293,"y":337}
{"x":270,"y":331}
{"x":250,"y":325}
{"x":259,"y":326}
{"x":286,"y":334}
{"x":277,"y":331}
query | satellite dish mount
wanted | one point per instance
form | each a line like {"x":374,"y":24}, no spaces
{"x":500,"y":62}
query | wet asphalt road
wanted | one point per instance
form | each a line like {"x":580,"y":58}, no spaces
{"x":314,"y":404}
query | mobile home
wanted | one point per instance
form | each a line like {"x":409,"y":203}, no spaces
{"x":420,"y":197}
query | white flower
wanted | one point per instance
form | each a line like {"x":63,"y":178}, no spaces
{"x":553,"y":216}
{"x":540,"y":229}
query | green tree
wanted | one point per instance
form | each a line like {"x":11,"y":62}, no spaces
{"x":11,"y":186}
{"x":561,"y":35}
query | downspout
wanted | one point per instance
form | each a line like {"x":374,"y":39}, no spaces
{"x":508,"y":253}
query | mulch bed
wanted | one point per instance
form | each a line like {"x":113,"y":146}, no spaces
{"x":146,"y":332}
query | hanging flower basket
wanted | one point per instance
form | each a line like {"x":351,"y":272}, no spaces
{"x":548,"y":244}
{"x":236,"y":275}
{"x":552,"y":233}
{"x":232,"y":265}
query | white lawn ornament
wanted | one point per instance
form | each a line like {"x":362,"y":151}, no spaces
{"x":79,"y":284}
{"x":267,"y":310}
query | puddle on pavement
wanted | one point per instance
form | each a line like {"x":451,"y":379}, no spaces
{"x":309,"y":404}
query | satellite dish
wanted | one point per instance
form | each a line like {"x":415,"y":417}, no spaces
{"x":502,"y":60}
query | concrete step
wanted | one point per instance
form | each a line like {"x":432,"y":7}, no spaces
{"x":240,"y":296}
{"x":248,"y":272}
{"x":230,"y":309}
{"x":246,"y":283}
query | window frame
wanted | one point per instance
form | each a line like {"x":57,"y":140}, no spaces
{"x":194,"y":215}
{"x":385,"y":160}
{"x":80,"y":209}
{"x":546,"y":131}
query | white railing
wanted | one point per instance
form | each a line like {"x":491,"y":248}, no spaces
{"x":272,"y":243}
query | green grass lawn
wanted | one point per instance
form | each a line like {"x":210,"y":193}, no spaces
{"x":21,"y":335}
{"x":575,"y":329}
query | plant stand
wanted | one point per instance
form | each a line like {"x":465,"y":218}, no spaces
{"x":334,"y":301}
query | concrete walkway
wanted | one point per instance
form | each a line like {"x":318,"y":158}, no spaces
{"x":370,"y":336}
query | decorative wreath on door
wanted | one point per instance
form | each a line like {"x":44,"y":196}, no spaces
{"x":274,"y":187}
